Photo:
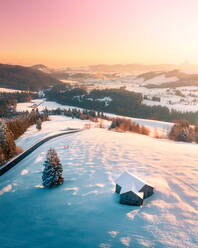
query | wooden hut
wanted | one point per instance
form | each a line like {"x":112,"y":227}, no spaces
{"x":132,"y":189}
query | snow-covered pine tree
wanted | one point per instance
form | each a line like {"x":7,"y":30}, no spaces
{"x":7,"y":143}
{"x":52,"y":173}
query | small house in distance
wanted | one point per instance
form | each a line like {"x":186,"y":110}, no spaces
{"x":132,"y":189}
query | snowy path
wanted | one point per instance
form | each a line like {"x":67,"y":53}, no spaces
{"x":9,"y":165}
{"x":84,"y":212}
{"x":56,"y":125}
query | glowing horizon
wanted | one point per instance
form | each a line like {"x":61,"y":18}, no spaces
{"x":83,"y":32}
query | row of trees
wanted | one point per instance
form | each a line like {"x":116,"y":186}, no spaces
{"x":79,"y":114}
{"x":128,"y":125}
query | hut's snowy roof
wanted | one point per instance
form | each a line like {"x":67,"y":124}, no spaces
{"x":140,"y":194}
{"x":129,"y":182}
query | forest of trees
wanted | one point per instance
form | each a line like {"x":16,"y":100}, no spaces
{"x":12,"y":128}
{"x":122,"y":102}
{"x":8,"y":101}
{"x":7,"y":144}
{"x":80,"y":98}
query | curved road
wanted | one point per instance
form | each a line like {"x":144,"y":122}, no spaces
{"x":17,"y":159}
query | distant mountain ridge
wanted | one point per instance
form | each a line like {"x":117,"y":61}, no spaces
{"x":130,"y":68}
{"x":127,"y":68}
{"x":140,"y":68}
{"x":25,"y":78}
{"x":150,"y":76}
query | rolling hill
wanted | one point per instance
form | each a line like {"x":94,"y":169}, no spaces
{"x":24,"y":78}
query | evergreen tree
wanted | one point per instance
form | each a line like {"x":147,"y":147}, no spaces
{"x":38,"y":124}
{"x":7,"y":143}
{"x":52,"y":173}
{"x":1,"y":156}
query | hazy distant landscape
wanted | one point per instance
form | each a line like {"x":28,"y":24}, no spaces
{"x":173,"y":89}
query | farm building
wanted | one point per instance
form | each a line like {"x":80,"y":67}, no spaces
{"x":132,"y":189}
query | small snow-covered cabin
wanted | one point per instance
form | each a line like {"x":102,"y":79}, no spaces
{"x":132,"y":189}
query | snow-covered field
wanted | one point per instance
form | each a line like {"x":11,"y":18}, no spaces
{"x":27,"y":106}
{"x":85,"y":212}
{"x":56,"y":124}
{"x":162,"y":127}
{"x":9,"y":90}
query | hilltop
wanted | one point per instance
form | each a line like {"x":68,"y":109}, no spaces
{"x":25,"y":78}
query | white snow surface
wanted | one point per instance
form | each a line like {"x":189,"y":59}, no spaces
{"x":129,"y":182}
{"x":27,"y":106}
{"x":57,"y":124}
{"x":82,"y":214}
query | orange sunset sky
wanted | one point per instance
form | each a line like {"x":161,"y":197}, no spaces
{"x":83,"y":32}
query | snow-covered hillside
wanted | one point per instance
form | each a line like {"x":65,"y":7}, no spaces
{"x":85,"y":212}
{"x":57,"y":124}
{"x":162,"y":127}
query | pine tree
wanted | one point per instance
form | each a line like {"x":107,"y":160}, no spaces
{"x":52,"y":173}
{"x":7,"y":143}
{"x":38,"y":124}
{"x":1,"y":156}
